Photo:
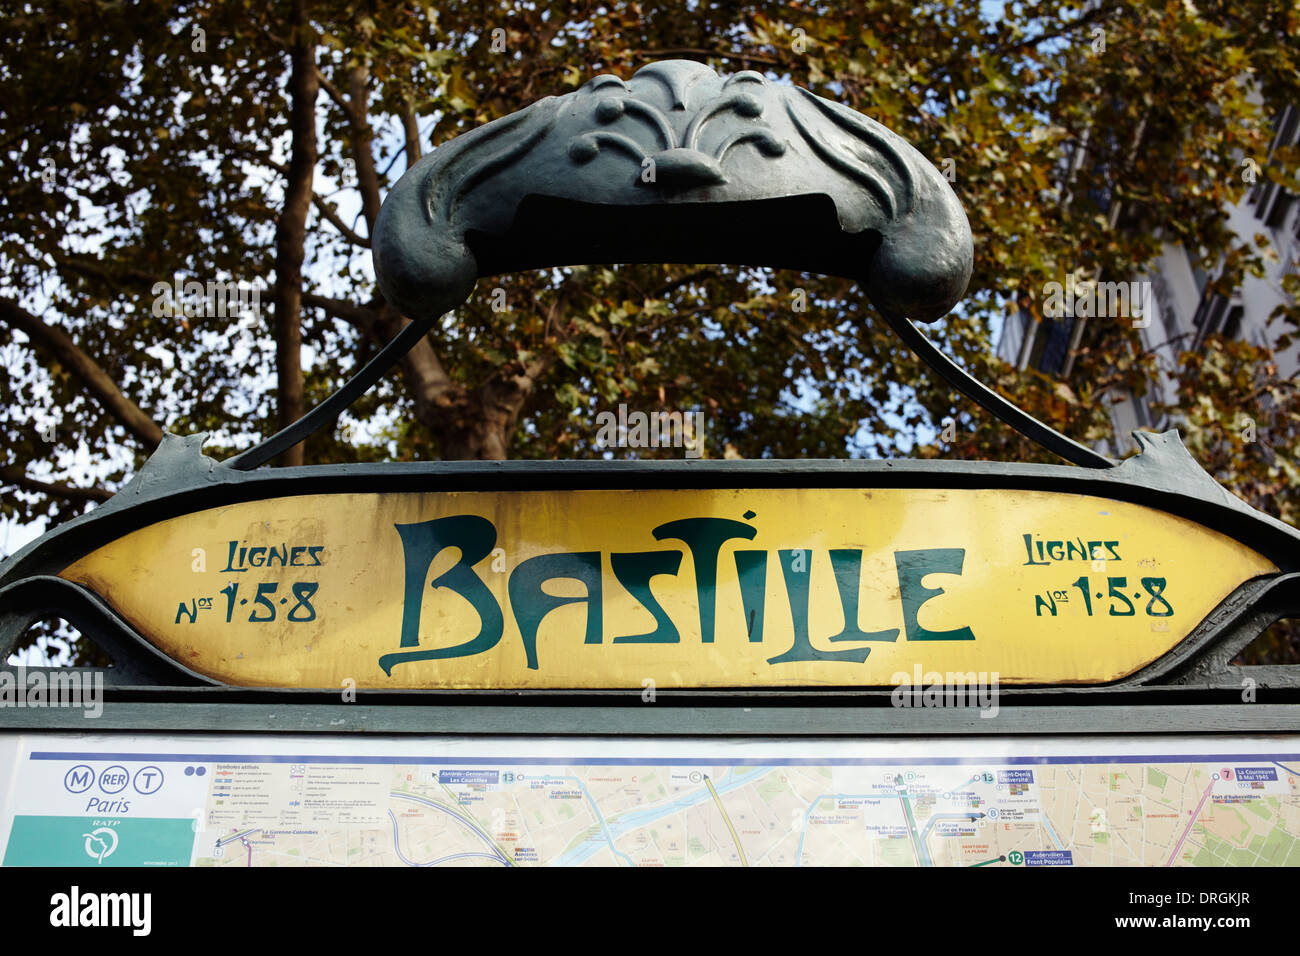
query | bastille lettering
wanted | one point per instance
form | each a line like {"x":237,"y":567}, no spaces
{"x":475,"y":537}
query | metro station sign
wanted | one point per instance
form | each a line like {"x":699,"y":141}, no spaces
{"x":686,"y":574}
{"x":718,"y":588}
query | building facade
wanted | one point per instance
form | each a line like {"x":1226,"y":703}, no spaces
{"x":1184,"y":308}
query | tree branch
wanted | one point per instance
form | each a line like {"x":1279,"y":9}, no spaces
{"x":358,"y":315}
{"x":361,"y":136}
{"x":19,"y":479}
{"x":411,"y":129}
{"x":425,"y":375}
{"x":327,"y":212}
{"x":59,"y":345}
{"x":1096,"y":14}
{"x":334,"y":92}
{"x":93,"y":268}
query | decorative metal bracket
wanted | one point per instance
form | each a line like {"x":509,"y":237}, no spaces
{"x":677,"y":164}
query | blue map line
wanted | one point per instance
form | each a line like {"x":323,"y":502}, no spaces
{"x":630,"y":819}
{"x":803,"y":830}
{"x":969,"y":817}
{"x":451,"y":813}
{"x":397,"y":846}
{"x":922,"y":851}
{"x":1047,"y":824}
{"x":237,"y":836}
{"x":600,"y":817}
{"x":609,"y":837}
{"x":1288,"y":769}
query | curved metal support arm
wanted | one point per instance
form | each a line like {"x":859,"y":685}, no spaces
{"x":991,"y":401}
{"x":135,"y":660}
{"x":777,"y":176}
{"x":330,"y":409}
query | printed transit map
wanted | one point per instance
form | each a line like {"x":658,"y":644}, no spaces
{"x":654,"y":803}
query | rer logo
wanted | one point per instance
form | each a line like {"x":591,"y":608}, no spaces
{"x":114,"y":779}
{"x":78,"y":779}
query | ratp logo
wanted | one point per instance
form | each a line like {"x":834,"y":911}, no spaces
{"x":100,"y":843}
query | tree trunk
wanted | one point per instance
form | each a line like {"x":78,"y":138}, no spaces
{"x":480,"y":424}
{"x":291,"y":229}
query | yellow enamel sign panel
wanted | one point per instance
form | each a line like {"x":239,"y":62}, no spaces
{"x":698,"y":588}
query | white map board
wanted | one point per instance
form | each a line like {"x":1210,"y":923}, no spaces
{"x":273,"y":800}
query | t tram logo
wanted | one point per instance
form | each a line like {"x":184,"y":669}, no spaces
{"x":475,"y":537}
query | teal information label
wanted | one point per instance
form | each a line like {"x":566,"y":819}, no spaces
{"x":93,"y":841}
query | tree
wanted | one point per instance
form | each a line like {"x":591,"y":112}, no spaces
{"x":149,"y":144}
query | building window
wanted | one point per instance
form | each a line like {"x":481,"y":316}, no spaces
{"x":1232,"y":324}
